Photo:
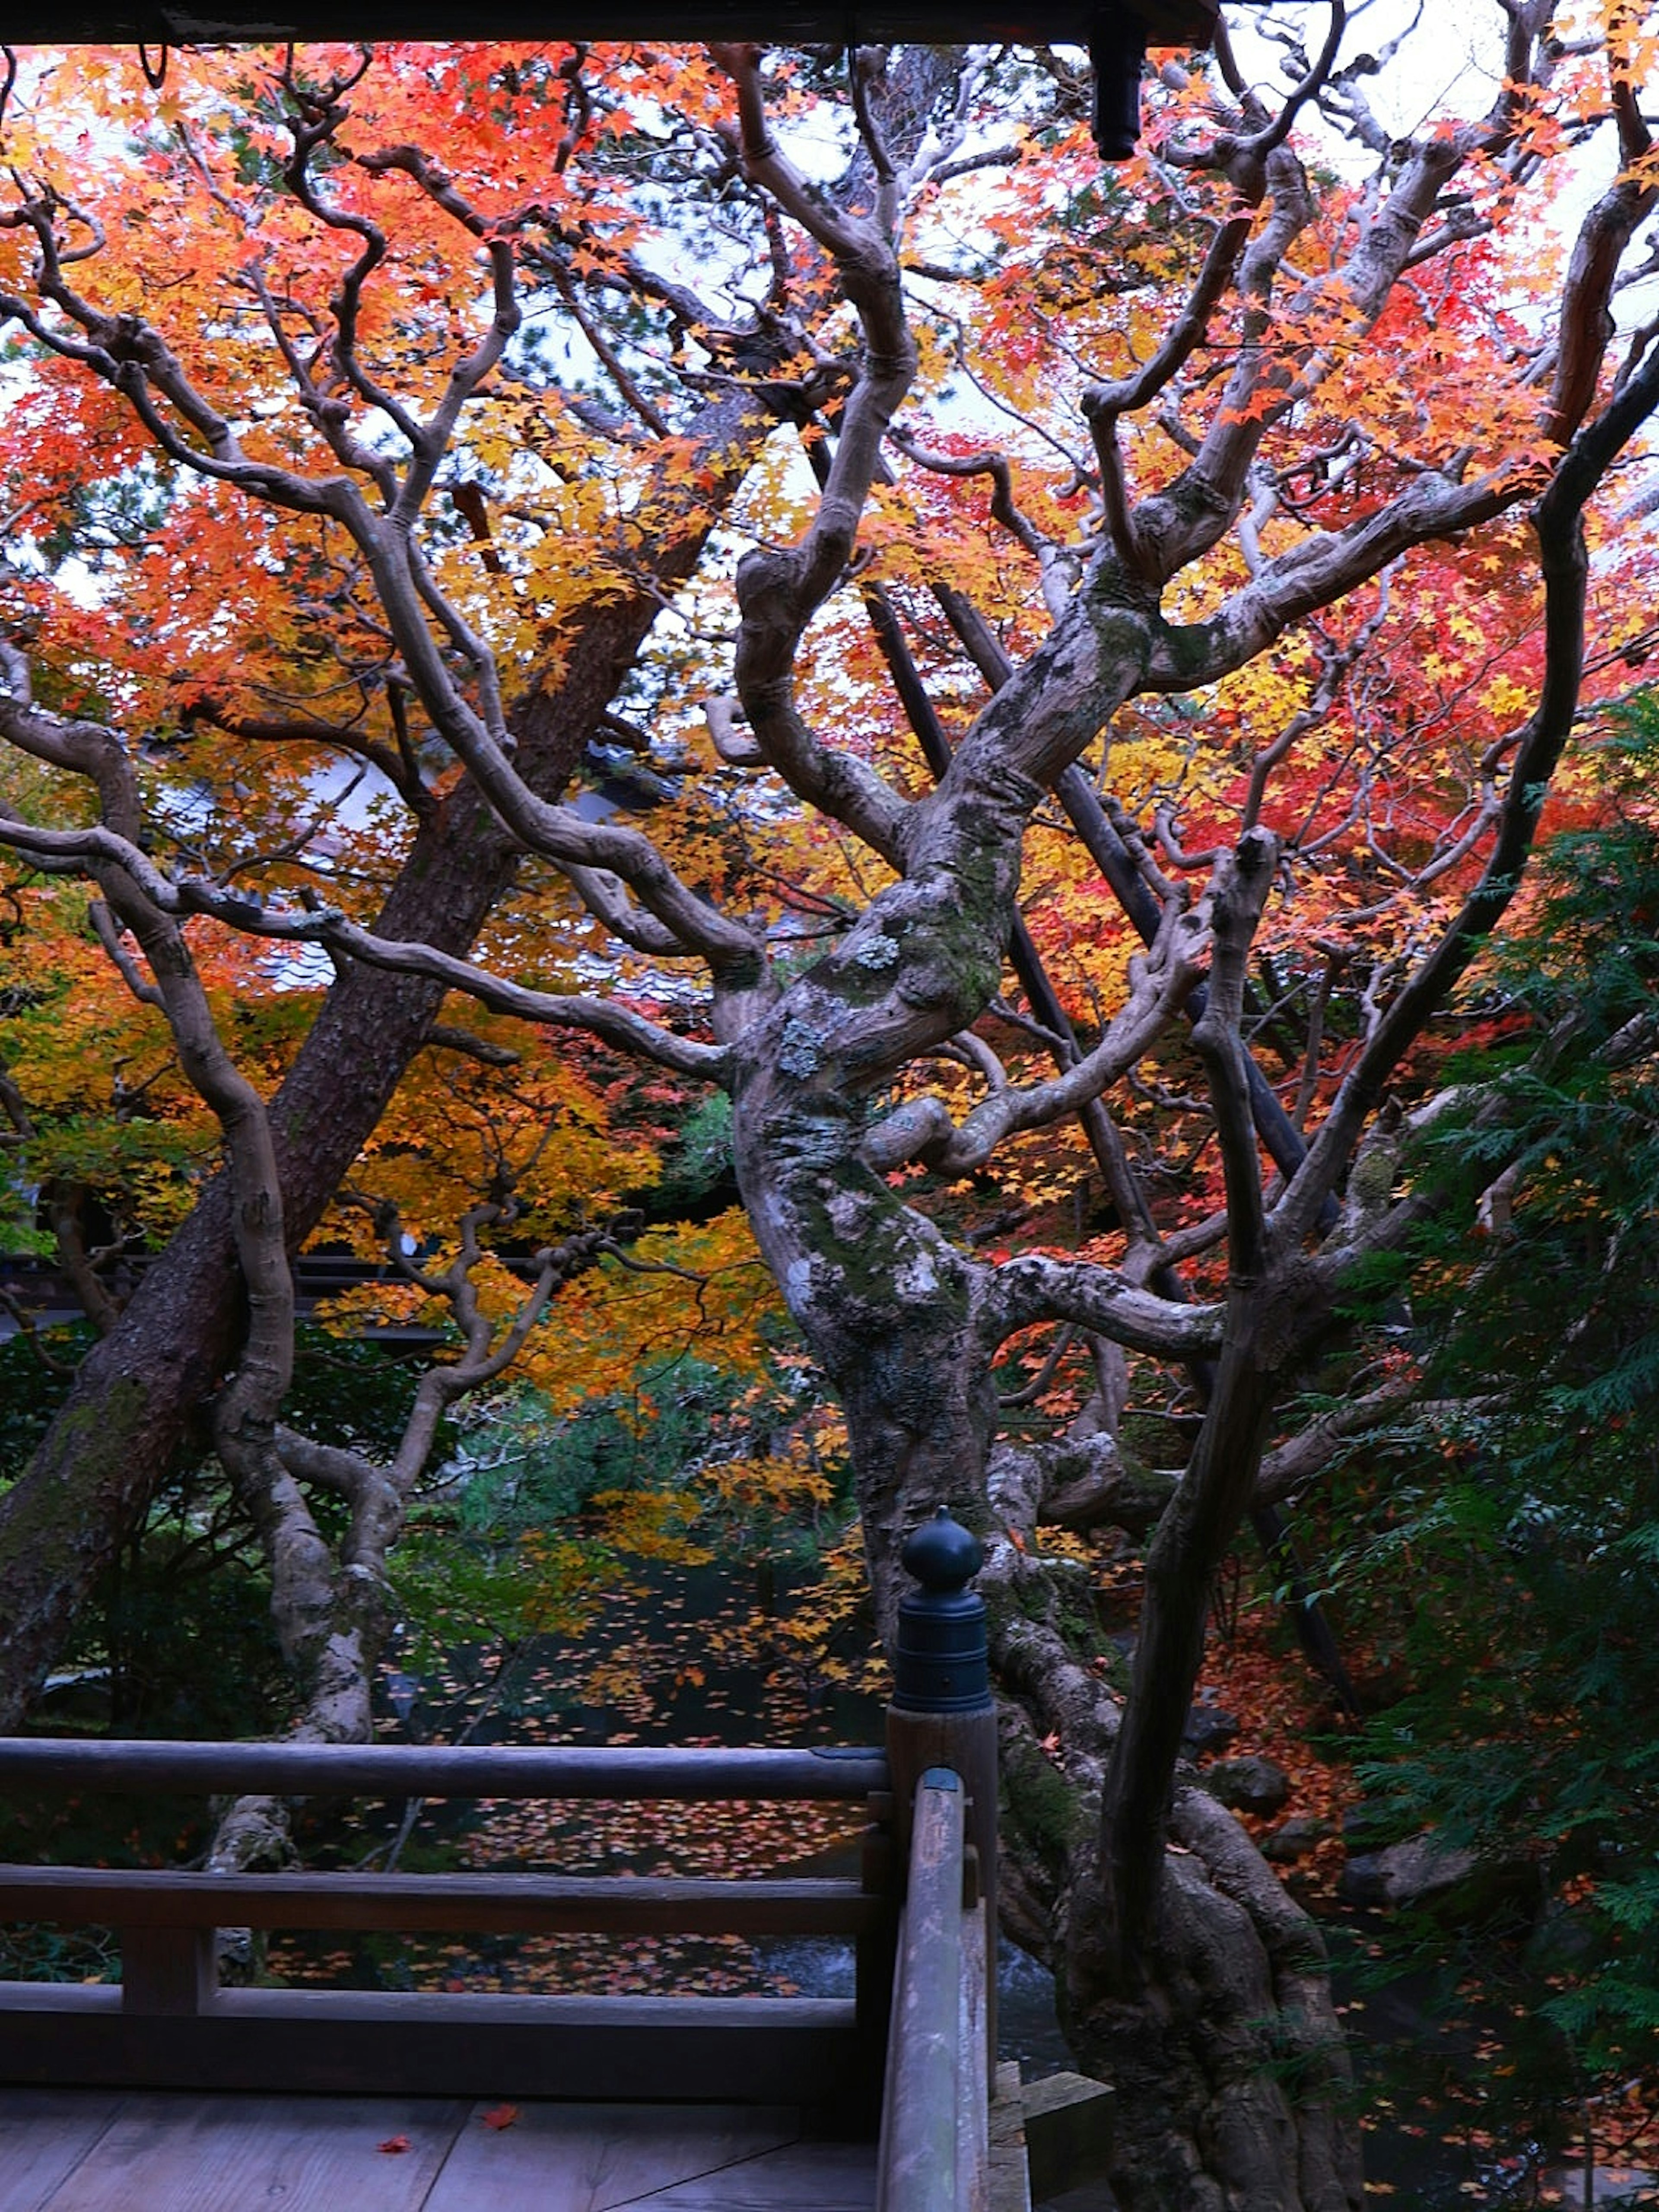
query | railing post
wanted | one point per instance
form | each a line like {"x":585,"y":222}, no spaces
{"x":942,"y":1713}
{"x":167,"y":1971}
{"x":876,"y":1955}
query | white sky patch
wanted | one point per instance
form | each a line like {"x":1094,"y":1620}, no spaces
{"x":1445,"y":61}
{"x":1449,"y":61}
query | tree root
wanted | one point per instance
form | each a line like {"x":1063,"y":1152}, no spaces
{"x":1234,"y":2089}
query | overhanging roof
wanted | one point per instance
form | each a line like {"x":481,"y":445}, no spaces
{"x":1117,"y":33}
{"x":779,"y":22}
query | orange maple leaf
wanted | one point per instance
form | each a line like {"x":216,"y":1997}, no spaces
{"x":500,"y":2116}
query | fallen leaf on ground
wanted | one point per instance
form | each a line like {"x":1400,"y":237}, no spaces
{"x":393,"y":2144}
{"x":500,"y":2116}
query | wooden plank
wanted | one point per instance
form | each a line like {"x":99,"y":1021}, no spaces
{"x":1068,"y":2120}
{"x":966,"y":1743}
{"x":511,"y":1904}
{"x":215,"y":2153}
{"x":1008,"y":2179}
{"x":385,"y":1769}
{"x":44,"y":2135}
{"x":919,"y":2121}
{"x":768,"y":2050}
{"x":808,"y":2176}
{"x":589,"y":2157}
{"x":973,"y":2065}
{"x":875,"y":1957}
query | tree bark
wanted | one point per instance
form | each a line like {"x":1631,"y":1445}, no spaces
{"x":137,"y":1394}
{"x":1233,"y":2087}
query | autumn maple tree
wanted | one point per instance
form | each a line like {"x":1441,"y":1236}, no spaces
{"x":1092,"y":649}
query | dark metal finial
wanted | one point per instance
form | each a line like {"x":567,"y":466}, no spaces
{"x":942,"y":1555}
{"x":940,"y":1663}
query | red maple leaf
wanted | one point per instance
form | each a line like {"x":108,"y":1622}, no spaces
{"x":500,"y":2116}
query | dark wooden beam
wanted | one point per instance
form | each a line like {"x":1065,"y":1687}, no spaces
{"x":765,"y":2051}
{"x":500,"y":1904}
{"x":778,"y":22}
{"x":343,"y":1769}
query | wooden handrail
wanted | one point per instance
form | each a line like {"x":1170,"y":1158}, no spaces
{"x":933,"y":2145}
{"x":344,"y":1770}
{"x":170,"y":2024}
{"x":485,"y":1903}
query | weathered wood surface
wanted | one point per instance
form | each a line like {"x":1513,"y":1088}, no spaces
{"x":1068,"y":2121}
{"x":966,"y":1743}
{"x":91,"y":2151}
{"x":45,"y":2134}
{"x":820,"y":2177}
{"x":923,"y":2166}
{"x":167,"y":1970}
{"x":1007,"y":2178}
{"x":975,"y":2069}
{"x":591,"y":2158}
{"x":343,"y":1769}
{"x":168,"y":2025}
{"x":794,"y":2050}
{"x":506,"y":1903}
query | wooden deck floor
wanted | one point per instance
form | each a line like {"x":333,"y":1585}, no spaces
{"x":95,"y":2150}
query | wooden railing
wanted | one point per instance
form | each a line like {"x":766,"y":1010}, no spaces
{"x":934,"y":2126}
{"x":942,"y":1751}
{"x":169,"y":2023}
{"x":922,"y":2020}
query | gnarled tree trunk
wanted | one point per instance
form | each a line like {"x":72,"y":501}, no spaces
{"x":140,"y":1389}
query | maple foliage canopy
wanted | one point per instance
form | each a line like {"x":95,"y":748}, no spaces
{"x":1035,"y":683}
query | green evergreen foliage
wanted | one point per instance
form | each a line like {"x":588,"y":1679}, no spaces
{"x":355,"y":1392}
{"x":1517,"y":1525}
{"x":516,"y":1469}
{"x":35,"y":1375}
{"x":179,"y":1641}
{"x":700,"y":1164}
{"x":350,"y":1392}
